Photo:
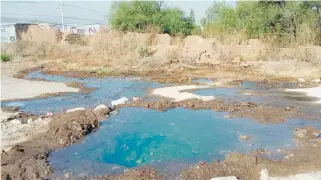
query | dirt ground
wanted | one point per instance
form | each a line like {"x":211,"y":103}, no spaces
{"x":28,"y":160}
{"x":11,"y":87}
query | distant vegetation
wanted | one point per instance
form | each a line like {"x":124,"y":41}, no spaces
{"x":147,"y":16}
{"x":283,"y":22}
{"x":287,"y":21}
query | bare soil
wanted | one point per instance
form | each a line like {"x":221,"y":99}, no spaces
{"x":28,"y":160}
{"x":259,"y":112}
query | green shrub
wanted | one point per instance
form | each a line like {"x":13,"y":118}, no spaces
{"x":138,"y":15}
{"x":284,"y":20}
{"x":5,"y":58}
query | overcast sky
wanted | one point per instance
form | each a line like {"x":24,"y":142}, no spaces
{"x":78,"y":12}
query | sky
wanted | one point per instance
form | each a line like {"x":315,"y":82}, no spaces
{"x":78,"y":12}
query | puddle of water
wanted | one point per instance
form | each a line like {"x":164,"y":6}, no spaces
{"x":108,"y":89}
{"x":176,"y":137}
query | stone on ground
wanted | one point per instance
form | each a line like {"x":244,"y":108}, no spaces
{"x":119,"y":101}
{"x":76,"y":109}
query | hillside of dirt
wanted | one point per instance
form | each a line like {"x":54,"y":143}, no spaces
{"x":118,"y":53}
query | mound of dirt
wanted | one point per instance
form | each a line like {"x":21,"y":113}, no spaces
{"x":28,"y":160}
{"x":36,"y":33}
{"x":74,"y":39}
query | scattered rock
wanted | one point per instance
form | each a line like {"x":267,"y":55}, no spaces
{"x":29,"y":120}
{"x":245,"y":64}
{"x":122,"y":100}
{"x":224,"y":178}
{"x":264,"y":174}
{"x":135,"y":98}
{"x":15,"y":121}
{"x":244,"y":137}
{"x":308,"y":132}
{"x":249,"y":104}
{"x":316,"y":80}
{"x":76,"y":109}
{"x":301,"y":80}
{"x":67,"y":175}
{"x":101,"y":111}
{"x":288,"y":108}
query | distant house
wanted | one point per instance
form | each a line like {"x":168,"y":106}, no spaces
{"x":8,"y":32}
{"x":82,"y":29}
{"x":11,"y":32}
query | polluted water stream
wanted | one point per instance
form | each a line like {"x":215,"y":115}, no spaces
{"x":168,"y":141}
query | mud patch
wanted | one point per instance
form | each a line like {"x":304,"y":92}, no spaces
{"x":28,"y":160}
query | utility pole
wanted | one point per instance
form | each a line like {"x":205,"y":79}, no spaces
{"x":62,"y":16}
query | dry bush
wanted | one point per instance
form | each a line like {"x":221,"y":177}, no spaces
{"x":28,"y":48}
{"x":225,"y":37}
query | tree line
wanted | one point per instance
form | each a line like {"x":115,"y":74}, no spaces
{"x":285,"y":20}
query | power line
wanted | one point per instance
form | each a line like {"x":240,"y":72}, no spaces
{"x":18,"y":2}
{"x":84,"y":8}
{"x":67,"y":17}
{"x":30,"y":20}
{"x":44,"y":3}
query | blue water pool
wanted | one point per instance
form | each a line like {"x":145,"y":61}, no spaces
{"x":106,"y":90}
{"x":136,"y":137}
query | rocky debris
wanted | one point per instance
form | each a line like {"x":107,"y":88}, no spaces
{"x":288,"y":108}
{"x":264,"y":175}
{"x":249,"y":104}
{"x":29,"y":120}
{"x":120,"y":101}
{"x":316,"y":80}
{"x":76,"y":109}
{"x":308,"y":132}
{"x":301,"y":80}
{"x":28,"y":160}
{"x":69,"y":127}
{"x":224,"y":178}
{"x":101,"y":111}
{"x":261,"y":113}
{"x":142,"y":173}
{"x":16,"y":121}
{"x":244,"y":137}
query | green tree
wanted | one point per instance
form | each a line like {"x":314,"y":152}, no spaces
{"x":192,"y":16}
{"x":137,"y":15}
{"x":288,"y":20}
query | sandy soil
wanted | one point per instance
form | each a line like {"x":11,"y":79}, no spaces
{"x":313,"y":92}
{"x":13,"y":88}
{"x":28,"y":160}
{"x":18,"y":127}
{"x":176,"y":93}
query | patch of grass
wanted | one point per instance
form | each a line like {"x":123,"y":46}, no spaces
{"x":5,"y":58}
